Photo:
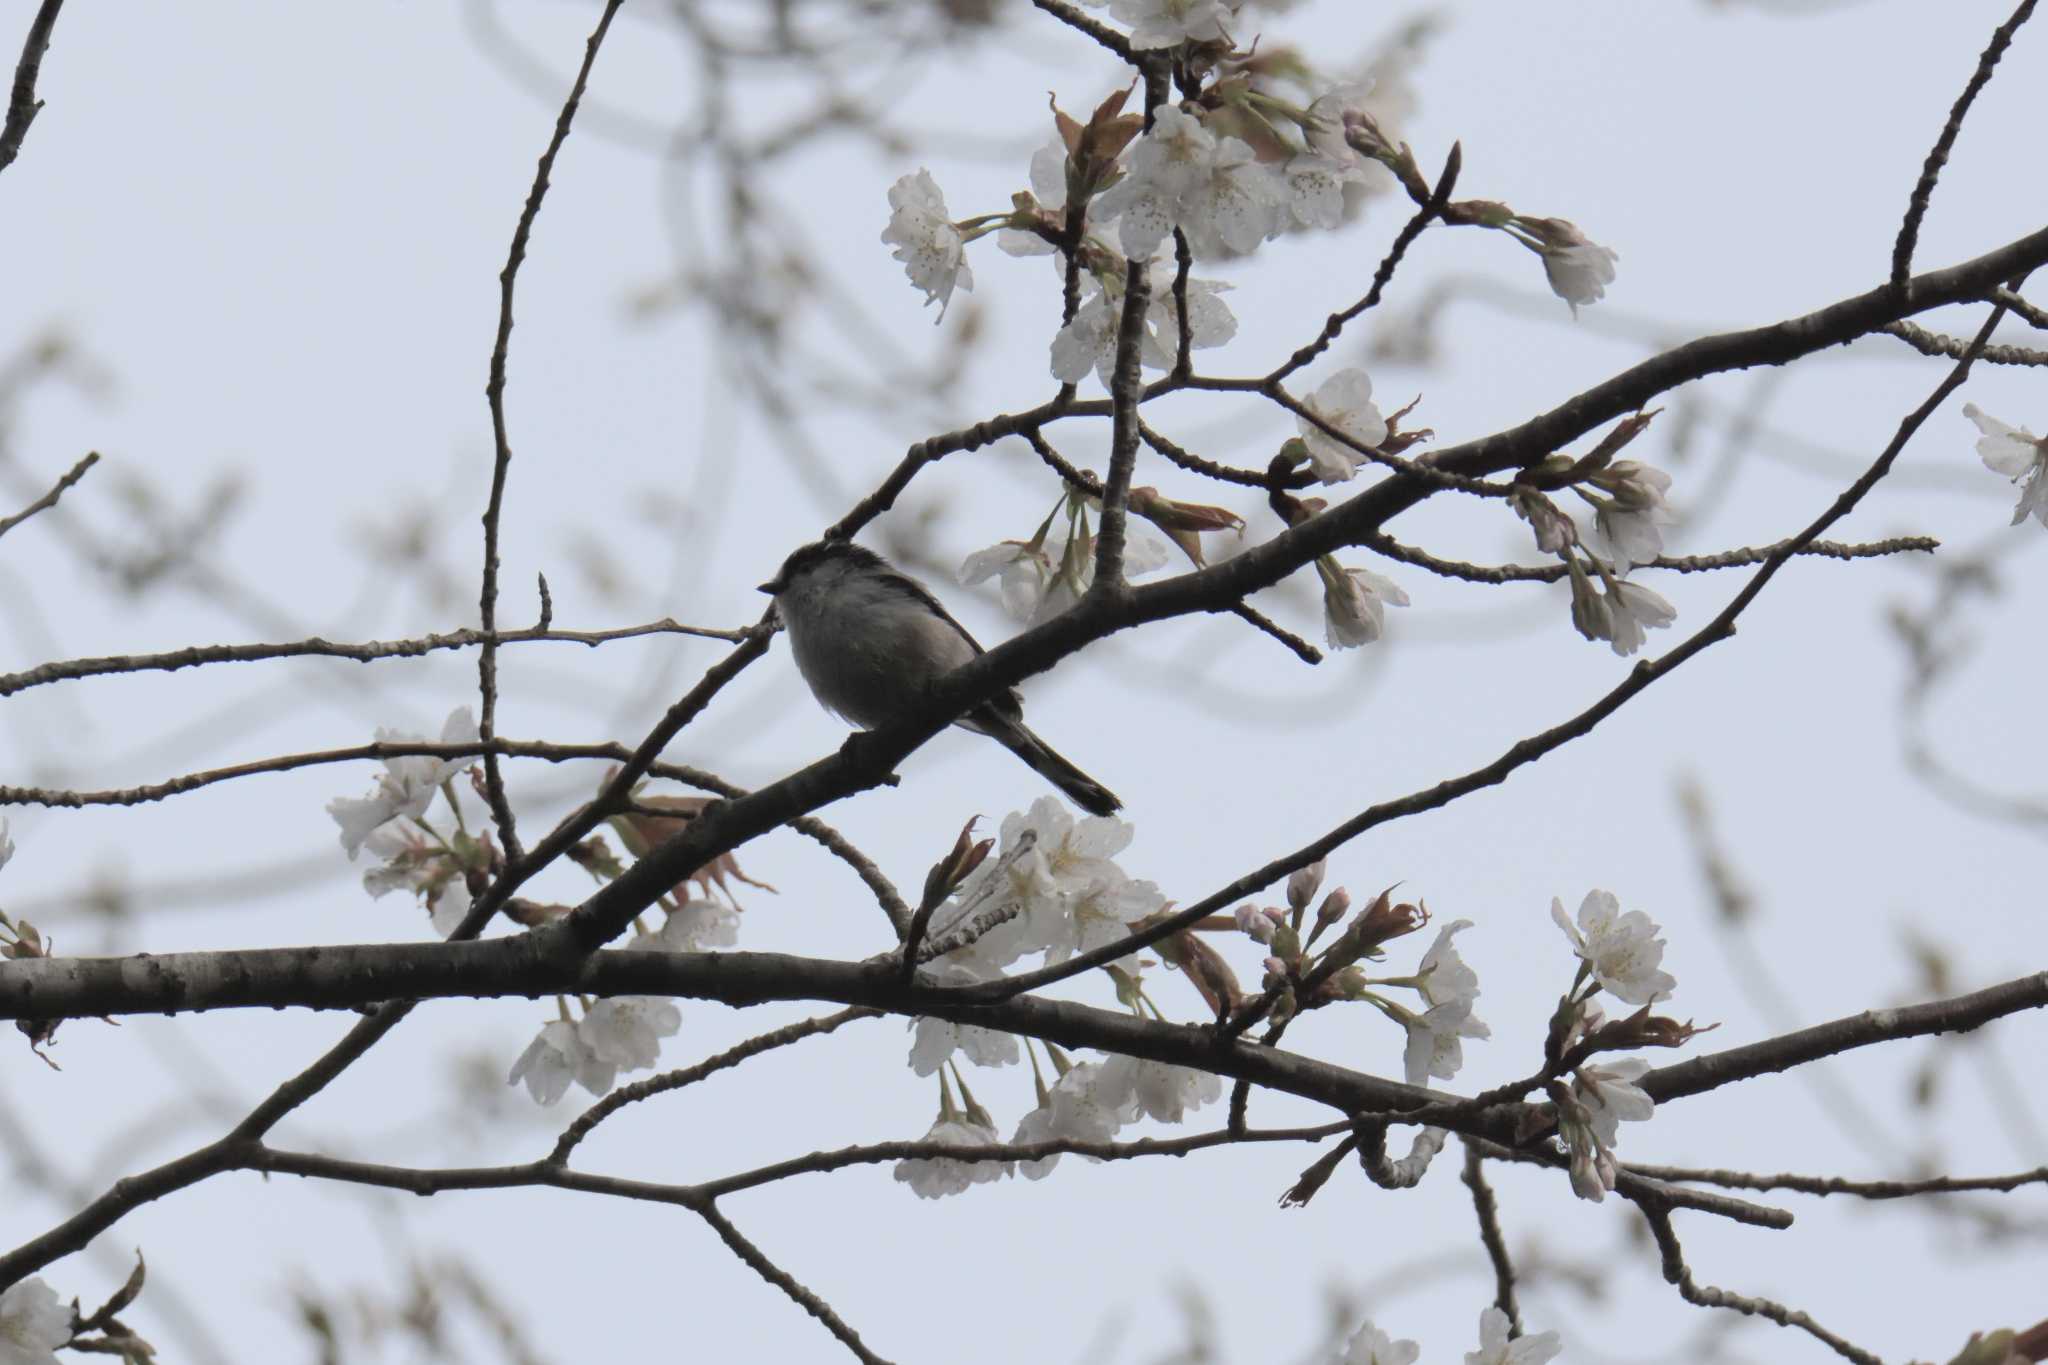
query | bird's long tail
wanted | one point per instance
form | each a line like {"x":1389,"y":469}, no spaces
{"x":1083,"y":790}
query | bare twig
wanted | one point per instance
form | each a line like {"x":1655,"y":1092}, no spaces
{"x":758,"y":1262}
{"x":49,"y":499}
{"x":1725,"y":559}
{"x":1706,"y":1296}
{"x":1937,"y":157}
{"x":1487,"y":1209}
{"x":1861,"y":1189}
{"x":1100,"y":32}
{"x":314,"y":647}
{"x":2034,"y":316}
{"x":1941,"y":344}
{"x":690,"y":1075}
{"x":1300,"y":648}
{"x":1335,"y":324}
{"x":22,"y":104}
{"x":494,"y":391}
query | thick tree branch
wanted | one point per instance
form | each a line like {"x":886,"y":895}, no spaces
{"x":1958,"y":1014}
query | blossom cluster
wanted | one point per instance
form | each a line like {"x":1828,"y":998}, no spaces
{"x":411,"y":853}
{"x":1371,"y":1346}
{"x":1622,"y":955}
{"x":1629,"y":513}
{"x":1045,"y":575}
{"x":1447,"y":986}
{"x":622,"y":1033}
{"x":1090,"y":1102}
{"x":1053,"y":890}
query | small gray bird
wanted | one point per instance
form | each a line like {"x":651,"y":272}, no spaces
{"x":871,"y":642}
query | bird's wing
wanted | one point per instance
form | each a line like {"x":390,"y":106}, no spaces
{"x":911,"y":588}
{"x":1009,"y":702}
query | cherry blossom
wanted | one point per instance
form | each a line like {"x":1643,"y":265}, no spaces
{"x":450,"y":906}
{"x":1579,"y":270}
{"x":1169,"y":23}
{"x":558,"y":1055}
{"x":407,"y":785}
{"x":1611,"y":1096}
{"x":625,"y":1031}
{"x":1622,"y":951}
{"x":1156,"y":1089}
{"x":1629,"y":521}
{"x":34,"y":1322}
{"x":1621,"y":614}
{"x":1039,"y":583}
{"x":1088,"y":342}
{"x":1355,"y":603}
{"x":695,"y":926}
{"x":2019,"y":455}
{"x":1495,"y":1347}
{"x":1444,"y":976}
{"x":932,"y":250}
{"x":1049,"y":188}
{"x":1076,"y":1109}
{"x":938,"y":1039}
{"x":1434,"y":1046}
{"x":937,"y":1177}
{"x":1370,"y":1346}
{"x":1343,"y":401}
{"x":1183,"y":176}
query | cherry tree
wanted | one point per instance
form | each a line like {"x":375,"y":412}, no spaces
{"x":1316,"y":1012}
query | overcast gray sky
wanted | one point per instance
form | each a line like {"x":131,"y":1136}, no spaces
{"x":277,"y":231}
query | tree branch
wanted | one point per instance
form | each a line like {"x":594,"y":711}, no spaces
{"x":22,"y":104}
{"x":1937,"y":157}
{"x":49,"y":499}
{"x":68,"y":670}
{"x":494,"y":392}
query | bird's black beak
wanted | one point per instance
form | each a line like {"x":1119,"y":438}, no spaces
{"x":772,"y":586}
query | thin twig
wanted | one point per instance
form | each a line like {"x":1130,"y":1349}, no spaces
{"x":494,"y":392}
{"x":1725,"y":559}
{"x":1487,"y":1209}
{"x":1633,"y":1185}
{"x":1861,"y":1189}
{"x":1943,"y":345}
{"x":69,"y":670}
{"x":818,"y":1163}
{"x":1923,"y":189}
{"x":2034,"y":316}
{"x":1336,"y":322}
{"x":758,"y":1262}
{"x":22,"y":104}
{"x":1706,"y":1296}
{"x":1100,"y":32}
{"x":690,"y":1075}
{"x":1301,"y":648}
{"x":49,"y":499}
